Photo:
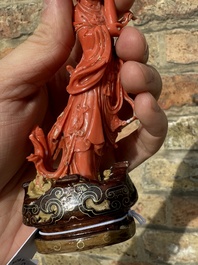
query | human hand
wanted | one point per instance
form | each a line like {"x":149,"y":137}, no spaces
{"x":144,"y":83}
{"x":29,"y":88}
{"x":24,"y":102}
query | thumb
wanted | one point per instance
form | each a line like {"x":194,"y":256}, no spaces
{"x":41,"y":55}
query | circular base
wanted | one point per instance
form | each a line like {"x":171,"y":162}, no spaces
{"x":87,"y":241}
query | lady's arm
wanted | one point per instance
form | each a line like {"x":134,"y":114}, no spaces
{"x":110,"y":12}
{"x":111,"y":18}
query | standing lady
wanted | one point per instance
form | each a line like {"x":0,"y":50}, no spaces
{"x":88,"y":126}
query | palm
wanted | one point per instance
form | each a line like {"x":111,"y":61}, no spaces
{"x":22,"y":116}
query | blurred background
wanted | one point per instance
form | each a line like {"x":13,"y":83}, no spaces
{"x":168,"y":182}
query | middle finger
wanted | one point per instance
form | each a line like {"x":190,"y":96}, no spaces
{"x":137,"y":78}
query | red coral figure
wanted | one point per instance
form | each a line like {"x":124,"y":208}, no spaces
{"x":89,"y":124}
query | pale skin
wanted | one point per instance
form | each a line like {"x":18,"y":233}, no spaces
{"x":30,"y":84}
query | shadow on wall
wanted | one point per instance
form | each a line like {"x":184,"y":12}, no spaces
{"x":172,"y":241}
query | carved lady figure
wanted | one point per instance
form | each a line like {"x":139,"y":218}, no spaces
{"x":74,"y":205}
{"x":88,"y":126}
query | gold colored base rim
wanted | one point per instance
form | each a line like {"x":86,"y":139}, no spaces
{"x":86,"y":242}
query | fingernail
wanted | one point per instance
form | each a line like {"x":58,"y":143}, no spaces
{"x":156,"y":107}
{"x":146,"y":53}
{"x":148,"y":73}
{"x":146,"y":47}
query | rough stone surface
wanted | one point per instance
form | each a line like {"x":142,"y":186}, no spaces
{"x":164,"y":15}
{"x":182,"y":134}
{"x":177,"y":171}
{"x":175,"y":247}
{"x":18,"y":18}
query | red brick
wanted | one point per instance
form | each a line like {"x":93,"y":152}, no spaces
{"x":181,"y":47}
{"x":178,"y":90}
{"x":184,"y":211}
{"x":152,"y":207}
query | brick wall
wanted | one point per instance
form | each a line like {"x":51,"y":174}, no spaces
{"x":168,"y":182}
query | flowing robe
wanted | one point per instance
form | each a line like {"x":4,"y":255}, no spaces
{"x":89,"y":123}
